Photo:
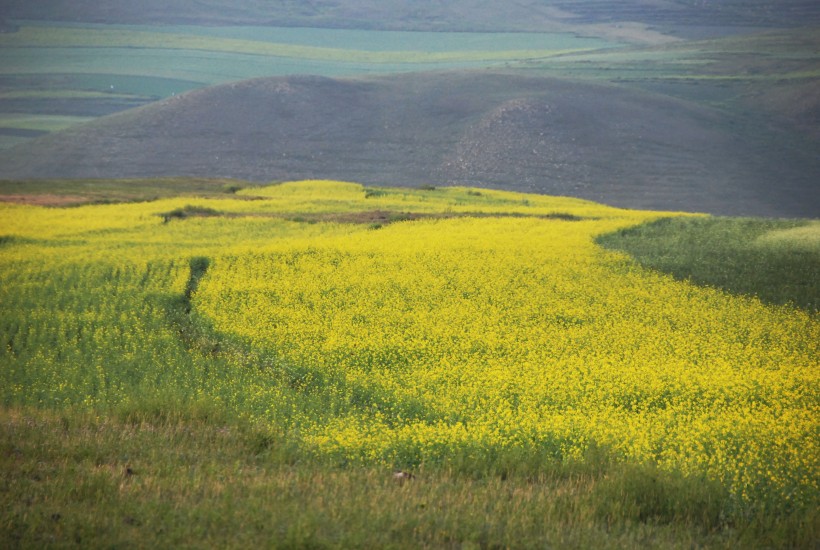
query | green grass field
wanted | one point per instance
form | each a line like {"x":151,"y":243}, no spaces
{"x":775,"y":260}
{"x":40,"y":123}
{"x":222,"y":368}
{"x":194,"y":477}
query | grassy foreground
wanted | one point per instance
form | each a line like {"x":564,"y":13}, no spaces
{"x":192,"y":477}
{"x":250,"y":370}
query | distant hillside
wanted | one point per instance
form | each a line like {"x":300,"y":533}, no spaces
{"x":427,"y":14}
{"x":605,"y":143}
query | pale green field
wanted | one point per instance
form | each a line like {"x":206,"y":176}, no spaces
{"x":349,"y":39}
{"x":805,"y":237}
{"x":216,"y":55}
{"x":42,"y":123}
{"x":32,"y":37}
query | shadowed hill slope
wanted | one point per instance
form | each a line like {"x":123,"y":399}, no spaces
{"x":603,"y":143}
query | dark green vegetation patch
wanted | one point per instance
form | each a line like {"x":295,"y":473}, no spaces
{"x":740,"y":255}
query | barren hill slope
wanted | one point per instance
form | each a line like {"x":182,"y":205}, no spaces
{"x":604,"y":143}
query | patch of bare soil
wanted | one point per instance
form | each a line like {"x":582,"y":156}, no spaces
{"x":380,"y":217}
{"x":372,"y":217}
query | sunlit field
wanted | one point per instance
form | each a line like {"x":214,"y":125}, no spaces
{"x":461,"y":331}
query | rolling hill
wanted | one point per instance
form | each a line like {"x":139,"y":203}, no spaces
{"x":612,"y":144}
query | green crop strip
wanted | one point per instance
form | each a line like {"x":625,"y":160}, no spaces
{"x":37,"y":37}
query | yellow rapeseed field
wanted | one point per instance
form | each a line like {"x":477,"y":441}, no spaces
{"x":495,"y":327}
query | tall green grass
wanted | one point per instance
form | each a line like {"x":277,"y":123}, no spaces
{"x":147,"y":475}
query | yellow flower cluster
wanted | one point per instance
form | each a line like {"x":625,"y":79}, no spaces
{"x":470,"y":336}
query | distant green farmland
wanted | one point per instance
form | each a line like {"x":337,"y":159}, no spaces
{"x":757,"y":57}
{"x":89,"y":70}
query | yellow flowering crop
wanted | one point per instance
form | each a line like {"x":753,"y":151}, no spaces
{"x":494,"y":326}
